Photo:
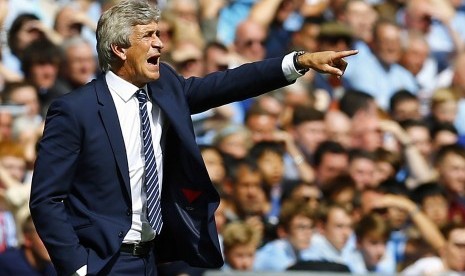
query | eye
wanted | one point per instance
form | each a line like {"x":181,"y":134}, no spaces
{"x":157,"y":33}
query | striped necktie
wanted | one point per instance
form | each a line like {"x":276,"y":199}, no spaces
{"x":151,"y":174}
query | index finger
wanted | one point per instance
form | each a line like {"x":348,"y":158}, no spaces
{"x":343,"y":54}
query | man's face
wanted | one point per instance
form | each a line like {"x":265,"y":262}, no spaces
{"x":241,"y":257}
{"x":387,"y":44}
{"x":310,"y":134}
{"x":415,"y":56}
{"x":360,"y":16}
{"x":44,"y":75}
{"x":300,"y":232}
{"x":436,"y":208}
{"x":27,"y":96}
{"x":338,"y":228}
{"x":15,"y":166}
{"x":271,"y":165}
{"x":445,"y":111}
{"x":408,"y":109}
{"x":250,"y":42}
{"x":421,"y":139}
{"x":452,"y":173}
{"x":373,"y":249}
{"x":362,"y":170}
{"x":141,"y":59}
{"x":455,"y":250}
{"x":248,"y":191}
{"x":215,"y":166}
{"x":262,"y":127}
{"x":81,"y":64}
{"x":332,"y":165}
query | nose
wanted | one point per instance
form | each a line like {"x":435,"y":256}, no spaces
{"x":157,"y":43}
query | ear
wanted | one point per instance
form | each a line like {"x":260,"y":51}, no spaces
{"x":119,"y":51}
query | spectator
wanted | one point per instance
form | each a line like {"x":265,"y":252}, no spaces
{"x":40,"y":65}
{"x":215,"y":166}
{"x":249,"y":200}
{"x":308,"y":130}
{"x":306,"y":38}
{"x":233,"y":140}
{"x":362,"y":166}
{"x":249,"y":42}
{"x":451,"y":260}
{"x":372,"y":233}
{"x":443,"y":134}
{"x":334,"y":230}
{"x":78,"y":64}
{"x":450,"y":165}
{"x":443,"y":106}
{"x":360,"y":16}
{"x":331,"y":160}
{"x":379,"y":73}
{"x":403,"y":106}
{"x":269,"y":157}
{"x":296,"y":224}
{"x":338,"y":127}
{"x":432,"y":199}
{"x":306,"y":192}
{"x":240,"y":242}
{"x":416,"y":58}
{"x":31,"y":259}
{"x":387,"y":164}
{"x":25,"y":29}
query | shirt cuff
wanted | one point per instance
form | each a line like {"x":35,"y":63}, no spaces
{"x":81,"y":272}
{"x":289,"y":70}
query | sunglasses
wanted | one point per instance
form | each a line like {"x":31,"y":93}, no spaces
{"x":251,"y":42}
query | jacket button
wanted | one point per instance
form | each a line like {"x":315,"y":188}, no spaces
{"x":120,"y":234}
{"x":128,"y":212}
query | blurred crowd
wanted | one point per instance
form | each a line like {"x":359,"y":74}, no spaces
{"x":359,"y":174}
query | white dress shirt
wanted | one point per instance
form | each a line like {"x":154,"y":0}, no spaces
{"x":127,"y":107}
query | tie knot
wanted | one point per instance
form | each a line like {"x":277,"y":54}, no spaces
{"x":141,"y":96}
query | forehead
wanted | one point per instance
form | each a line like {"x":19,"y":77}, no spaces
{"x":145,"y":27}
{"x":457,"y":235}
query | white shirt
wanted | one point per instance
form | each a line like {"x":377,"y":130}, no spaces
{"x":127,"y":107}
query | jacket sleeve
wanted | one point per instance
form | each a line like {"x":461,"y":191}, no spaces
{"x":246,"y":81}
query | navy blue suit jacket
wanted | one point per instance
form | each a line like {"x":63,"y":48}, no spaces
{"x":80,"y":198}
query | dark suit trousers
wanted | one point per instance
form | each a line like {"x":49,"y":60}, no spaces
{"x":127,"y":264}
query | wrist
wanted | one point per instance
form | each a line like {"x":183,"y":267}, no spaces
{"x":298,"y":66}
{"x":298,"y":159}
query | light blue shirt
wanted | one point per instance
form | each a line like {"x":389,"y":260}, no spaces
{"x":278,"y":255}
{"x":356,"y":264}
{"x":366,"y":73}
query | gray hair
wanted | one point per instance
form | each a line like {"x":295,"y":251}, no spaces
{"x":115,"y":26}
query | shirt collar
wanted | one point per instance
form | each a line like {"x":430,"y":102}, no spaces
{"x":124,"y":89}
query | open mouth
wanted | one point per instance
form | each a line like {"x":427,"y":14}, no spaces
{"x":153,"y":60}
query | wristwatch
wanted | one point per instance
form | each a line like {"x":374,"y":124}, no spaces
{"x":300,"y":69}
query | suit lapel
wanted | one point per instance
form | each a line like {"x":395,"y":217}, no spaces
{"x":176,"y":117}
{"x":107,"y":111}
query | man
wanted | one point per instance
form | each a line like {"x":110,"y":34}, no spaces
{"x":296,"y":224}
{"x":451,"y":259}
{"x":335,"y":229}
{"x":31,"y":259}
{"x":88,"y":197}
{"x":78,"y":65}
